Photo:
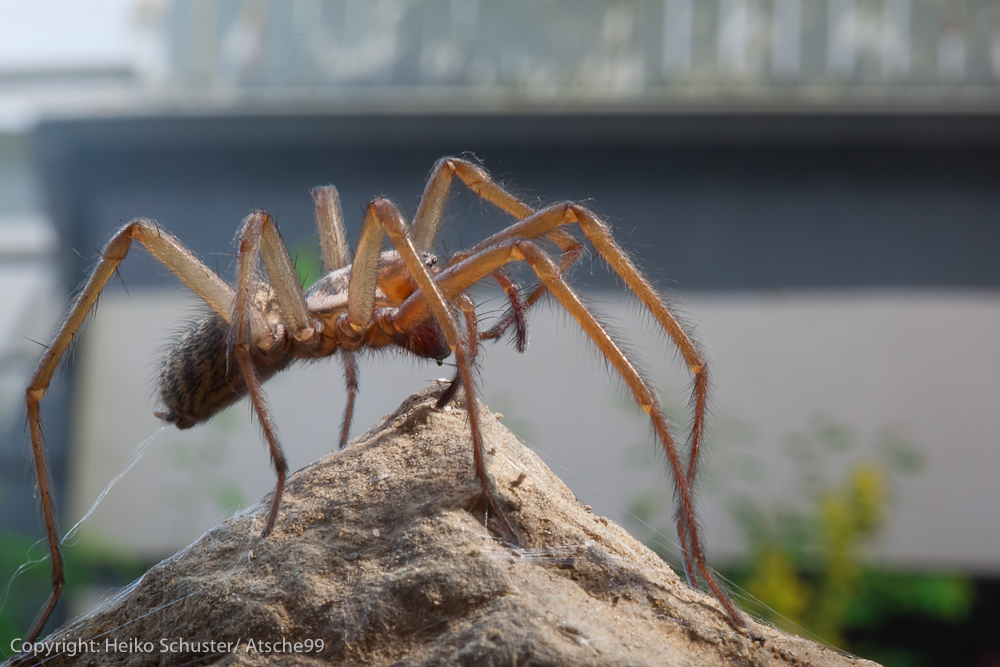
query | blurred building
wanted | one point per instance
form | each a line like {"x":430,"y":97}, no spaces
{"x":830,"y":55}
{"x":814,"y":179}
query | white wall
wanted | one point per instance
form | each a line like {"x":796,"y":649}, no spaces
{"x":920,"y":367}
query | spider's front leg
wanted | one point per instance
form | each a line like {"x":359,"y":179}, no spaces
{"x":547,"y":223}
{"x":428,"y":219}
{"x":479,"y":182}
{"x":459,"y":277}
{"x":382,"y":217}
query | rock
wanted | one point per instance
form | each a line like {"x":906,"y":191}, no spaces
{"x":381,"y":555}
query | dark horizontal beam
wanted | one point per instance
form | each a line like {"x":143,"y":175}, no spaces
{"x":382,"y":126}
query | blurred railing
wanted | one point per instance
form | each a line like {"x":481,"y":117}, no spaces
{"x":657,"y":51}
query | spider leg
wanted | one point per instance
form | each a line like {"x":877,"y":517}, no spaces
{"x":364,"y":276}
{"x":472,"y":335}
{"x":600,"y":235}
{"x":330,"y":225}
{"x":337,"y":254}
{"x":350,"y":362}
{"x":516,"y":318}
{"x":516,"y":315}
{"x":463,"y":348}
{"x":243,"y":357}
{"x":166,"y":248}
{"x":459,"y":277}
{"x":428,"y":219}
{"x":687,"y":526}
{"x":259,"y":236}
{"x":547,"y":220}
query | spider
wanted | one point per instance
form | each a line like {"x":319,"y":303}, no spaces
{"x":403,"y":297}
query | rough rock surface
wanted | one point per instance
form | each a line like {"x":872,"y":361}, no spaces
{"x":381,"y":552}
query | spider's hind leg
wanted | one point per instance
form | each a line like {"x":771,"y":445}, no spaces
{"x":172,"y":254}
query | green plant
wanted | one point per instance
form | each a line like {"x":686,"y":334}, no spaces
{"x":807,"y":568}
{"x":808,"y":573}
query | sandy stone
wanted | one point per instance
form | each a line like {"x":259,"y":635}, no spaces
{"x":383,"y":553}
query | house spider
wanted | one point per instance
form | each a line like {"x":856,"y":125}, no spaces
{"x":402,"y":297}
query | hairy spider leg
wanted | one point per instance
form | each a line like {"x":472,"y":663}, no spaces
{"x":383,"y":215}
{"x":472,"y":327}
{"x":427,"y":221}
{"x":259,"y":235}
{"x":349,"y":360}
{"x":473,"y":336}
{"x":549,"y":219}
{"x":333,"y":245}
{"x":336,"y":253}
{"x":172,"y":254}
{"x":479,"y":181}
{"x":458,"y":277}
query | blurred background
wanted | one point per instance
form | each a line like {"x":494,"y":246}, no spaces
{"x":813,"y":183}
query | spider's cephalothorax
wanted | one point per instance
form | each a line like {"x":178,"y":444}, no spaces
{"x":401,"y":298}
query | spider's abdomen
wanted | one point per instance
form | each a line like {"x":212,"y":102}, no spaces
{"x":199,"y":375}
